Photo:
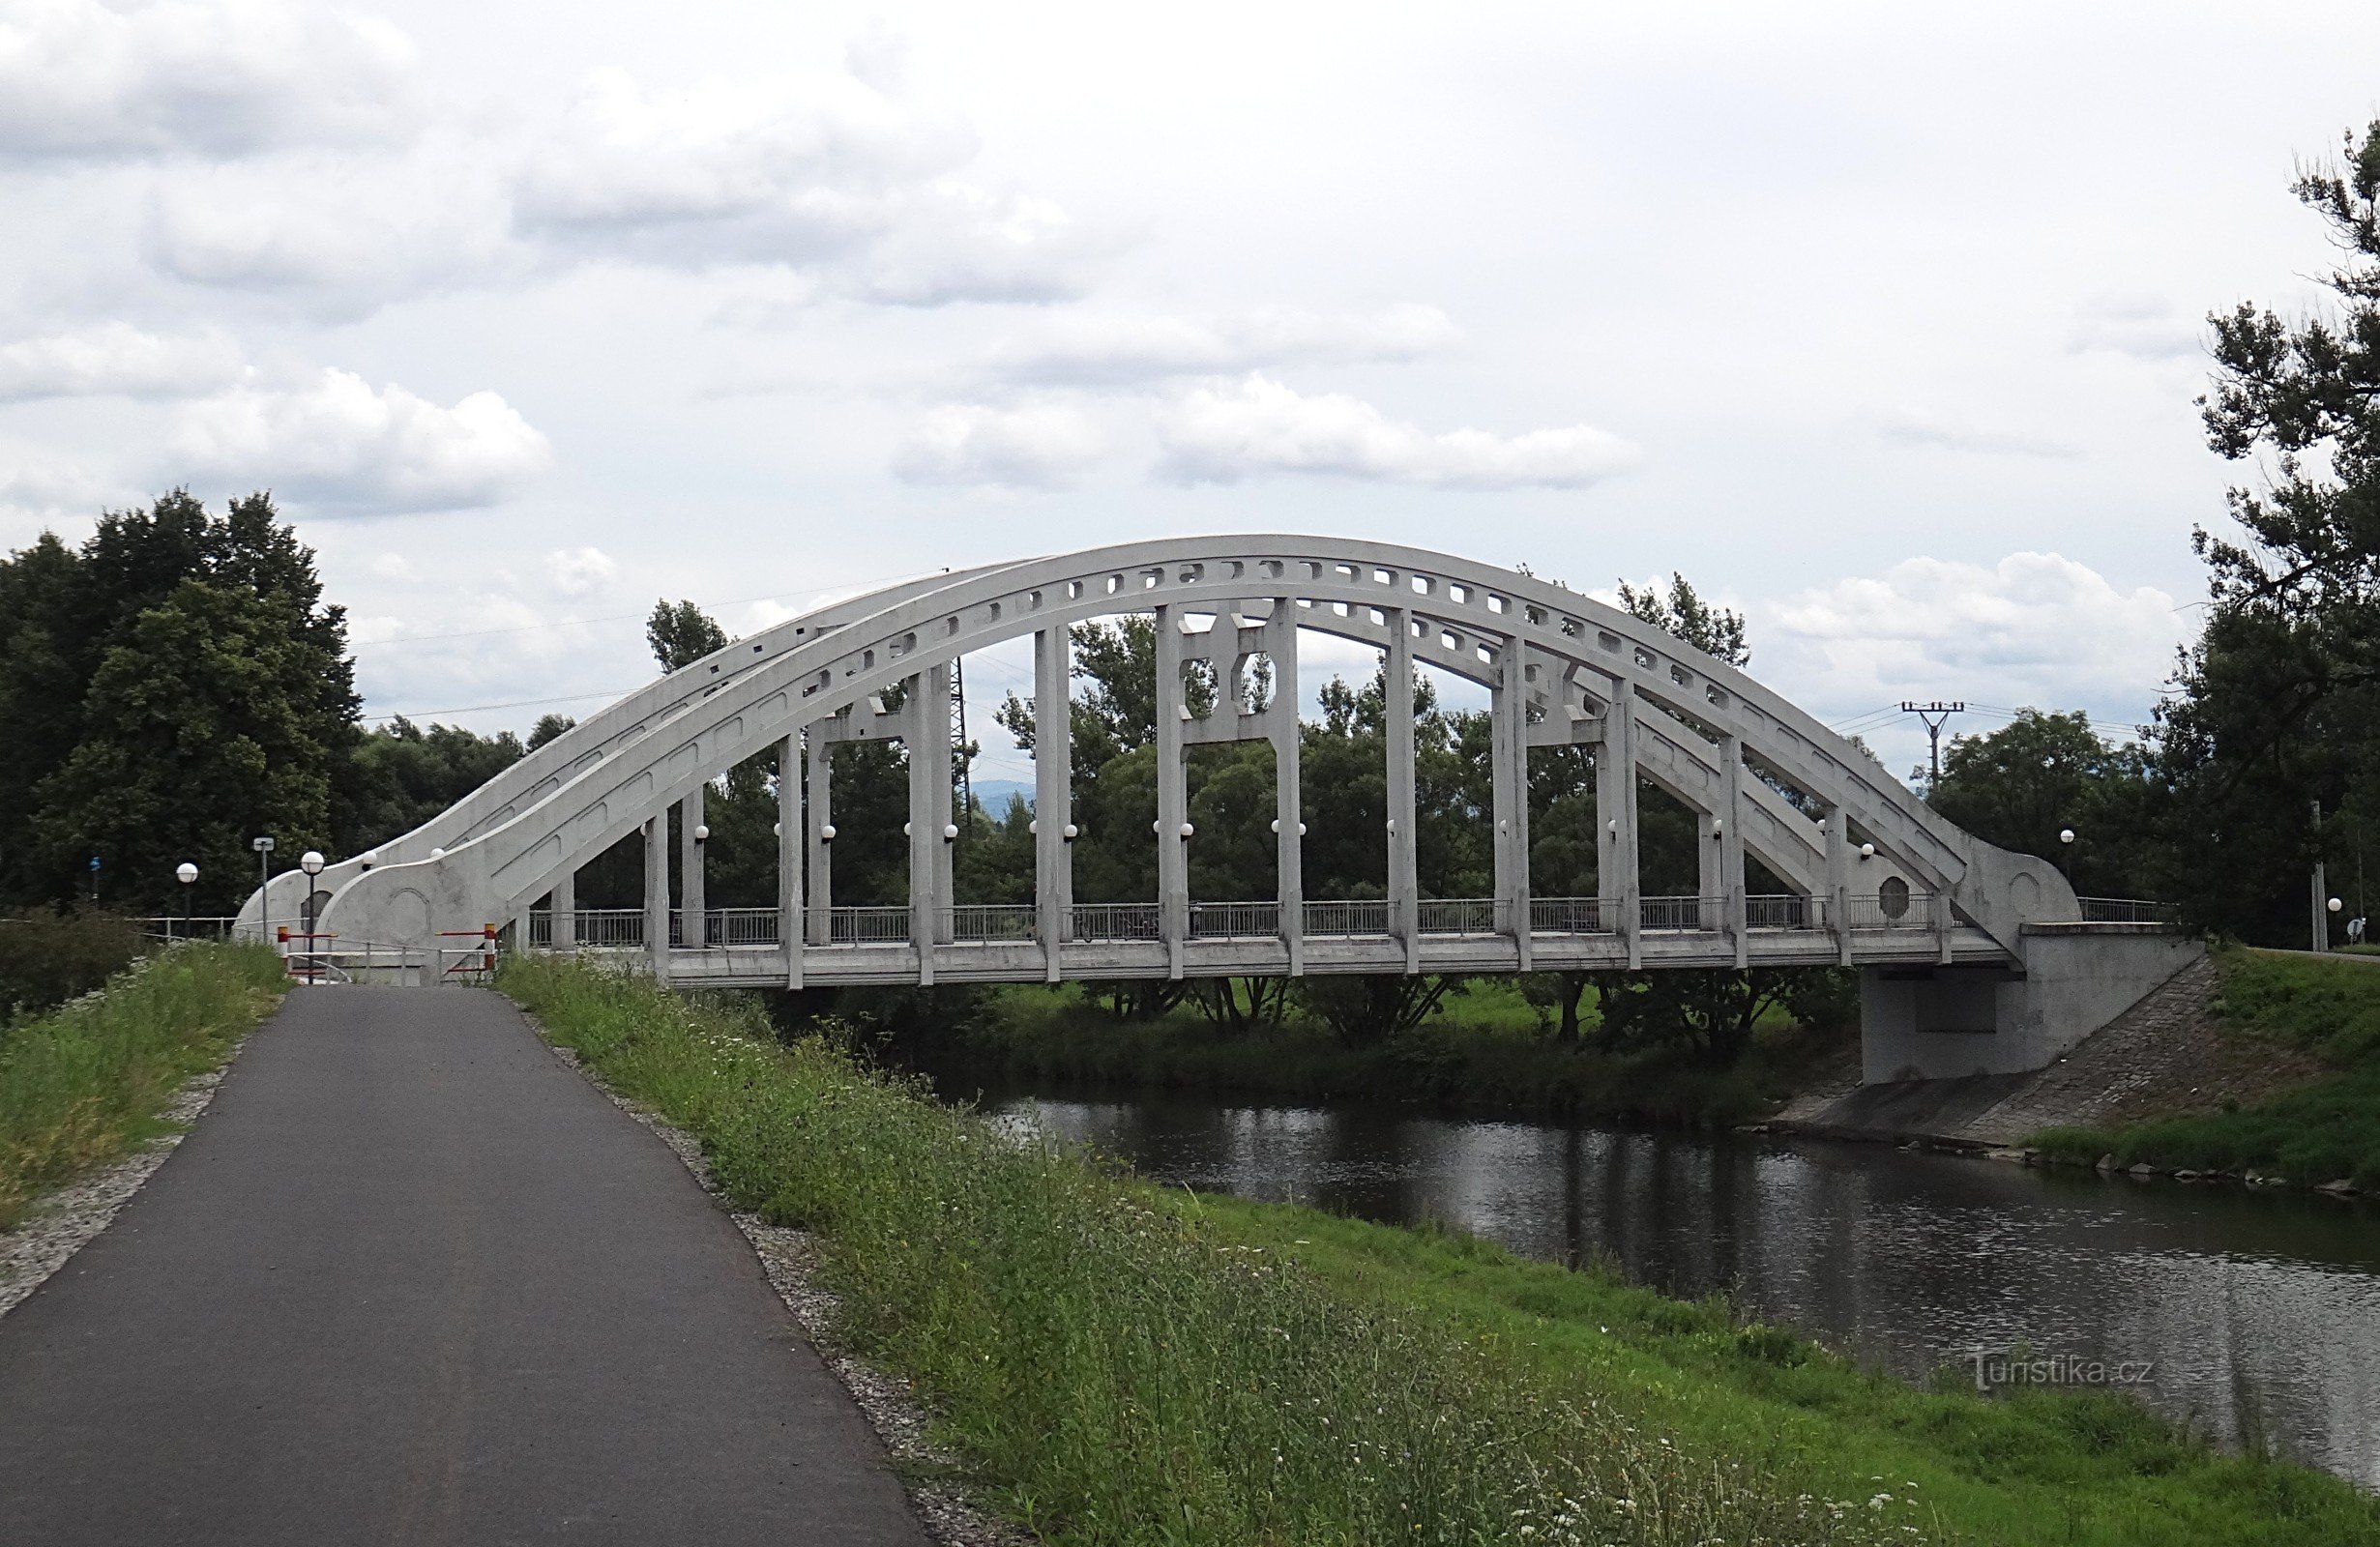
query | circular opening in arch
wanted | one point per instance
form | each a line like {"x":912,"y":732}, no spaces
{"x":1892,"y":897}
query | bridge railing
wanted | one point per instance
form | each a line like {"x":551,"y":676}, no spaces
{"x":1888,"y":909}
{"x":978,"y":923}
{"x":1235,"y":920}
{"x":1117,"y":920}
{"x":1784,"y":910}
{"x":1338,"y":919}
{"x":1457,"y":915}
{"x":1681,"y":914}
{"x":740,"y":926}
{"x":867,"y":926}
{"x":1569,"y":916}
{"x":2129,"y":911}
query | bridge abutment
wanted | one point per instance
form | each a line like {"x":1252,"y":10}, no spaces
{"x":1946,"y":1022}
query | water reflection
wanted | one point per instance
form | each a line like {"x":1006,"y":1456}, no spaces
{"x":2259,"y":1311}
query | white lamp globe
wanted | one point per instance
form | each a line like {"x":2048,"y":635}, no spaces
{"x":310,"y":861}
{"x":185,"y":872}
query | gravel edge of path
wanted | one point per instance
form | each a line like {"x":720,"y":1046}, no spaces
{"x":789,"y":1257}
{"x":63,"y":1222}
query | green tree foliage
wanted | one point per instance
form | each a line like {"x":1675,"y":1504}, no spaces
{"x":2041,"y":775}
{"x":682,"y":633}
{"x":2279,"y":703}
{"x":1716,"y":1011}
{"x":547,"y":727}
{"x":169,"y":689}
{"x":404,"y":775}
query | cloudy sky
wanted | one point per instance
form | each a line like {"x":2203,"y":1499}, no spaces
{"x":1880,"y":321}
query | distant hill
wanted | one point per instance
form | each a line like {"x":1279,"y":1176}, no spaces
{"x":994,"y":795}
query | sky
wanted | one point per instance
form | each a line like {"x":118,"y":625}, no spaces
{"x":1882,"y":324}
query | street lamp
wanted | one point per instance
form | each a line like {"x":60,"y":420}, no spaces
{"x":702,"y":832}
{"x":310,"y":861}
{"x":2065,"y":834}
{"x":264,"y":886}
{"x":187,"y":873}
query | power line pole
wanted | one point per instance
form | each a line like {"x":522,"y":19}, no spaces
{"x":1934,"y":715}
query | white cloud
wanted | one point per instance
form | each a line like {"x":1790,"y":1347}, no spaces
{"x":231,"y":77}
{"x":38,"y":490}
{"x":1121,"y":348}
{"x":117,"y":358}
{"x":1910,"y":427}
{"x":818,"y":172}
{"x":579,"y":572}
{"x":1043,"y":446}
{"x":337,"y":443}
{"x":395,"y":569}
{"x":2035,"y":629}
{"x":2143,"y":327}
{"x":1226,"y":431}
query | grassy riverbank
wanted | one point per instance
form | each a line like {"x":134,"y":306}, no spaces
{"x":2323,"y":1131}
{"x":1122,"y":1364}
{"x":82,"y":1085}
{"x":1487,"y":1052}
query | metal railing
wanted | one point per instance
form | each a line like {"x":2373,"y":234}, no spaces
{"x":1785,"y":910}
{"x":596,"y":926}
{"x":1457,"y":915}
{"x":1568,"y":916}
{"x":1888,"y":909}
{"x":979,"y":923}
{"x":1681,"y":913}
{"x":1235,"y":920}
{"x":1327,"y":919}
{"x":1116,"y":921}
{"x":2129,"y":911}
{"x":867,"y":926}
{"x":198,"y":927}
{"x":740,"y":926}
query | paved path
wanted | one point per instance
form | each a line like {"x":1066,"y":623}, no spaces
{"x":411,"y":1280}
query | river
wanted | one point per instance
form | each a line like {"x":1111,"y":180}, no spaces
{"x":2253,"y":1311}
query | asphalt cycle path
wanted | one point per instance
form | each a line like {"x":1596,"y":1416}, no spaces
{"x":412,"y":1280}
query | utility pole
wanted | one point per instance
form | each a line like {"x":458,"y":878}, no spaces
{"x":1934,"y":715}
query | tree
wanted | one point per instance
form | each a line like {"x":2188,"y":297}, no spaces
{"x":547,"y":727}
{"x":2278,"y":705}
{"x":682,"y":635}
{"x":90,"y":634}
{"x":1716,"y":1010}
{"x":2041,"y":775}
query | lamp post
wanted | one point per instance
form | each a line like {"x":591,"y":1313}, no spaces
{"x":188,"y":874}
{"x":310,"y":861}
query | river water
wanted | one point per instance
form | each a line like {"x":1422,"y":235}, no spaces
{"x":2255,"y":1312}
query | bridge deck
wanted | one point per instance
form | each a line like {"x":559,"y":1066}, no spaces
{"x":411,"y":1280}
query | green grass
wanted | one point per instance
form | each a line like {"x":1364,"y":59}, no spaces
{"x":2324,"y":1132}
{"x":1121,"y":1363}
{"x":84,"y":1084}
{"x":1487,"y":1053}
{"x":48,"y":956}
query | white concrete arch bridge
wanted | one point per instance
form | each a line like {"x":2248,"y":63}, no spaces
{"x":1974,"y":958}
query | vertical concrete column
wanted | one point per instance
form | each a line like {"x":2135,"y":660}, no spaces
{"x":563,"y":933}
{"x":657,"y":894}
{"x":1404,"y":885}
{"x":1615,"y":811}
{"x":929,"y":764}
{"x":1054,"y":793}
{"x":1172,"y":793}
{"x":935,"y":730}
{"x":691,"y":900}
{"x":1288,"y":809}
{"x":1508,"y":782}
{"x":789,"y":856}
{"x":818,"y":769}
{"x":1731,"y":846}
{"x":1838,"y":880}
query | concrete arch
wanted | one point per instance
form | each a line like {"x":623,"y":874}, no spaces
{"x":1590,"y":672}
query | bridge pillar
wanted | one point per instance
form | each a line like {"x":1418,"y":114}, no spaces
{"x":1172,"y":792}
{"x":1054,"y":793}
{"x":934,"y":734}
{"x":1508,"y":741}
{"x":657,"y":894}
{"x":1839,"y":881}
{"x":692,"y":902}
{"x":1288,"y":807}
{"x":1615,"y":809}
{"x":1405,"y":884}
{"x":1723,"y":848}
{"x":789,"y":856}
{"x":562,"y":933}
{"x":818,"y":767}
{"x":926,"y":771}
